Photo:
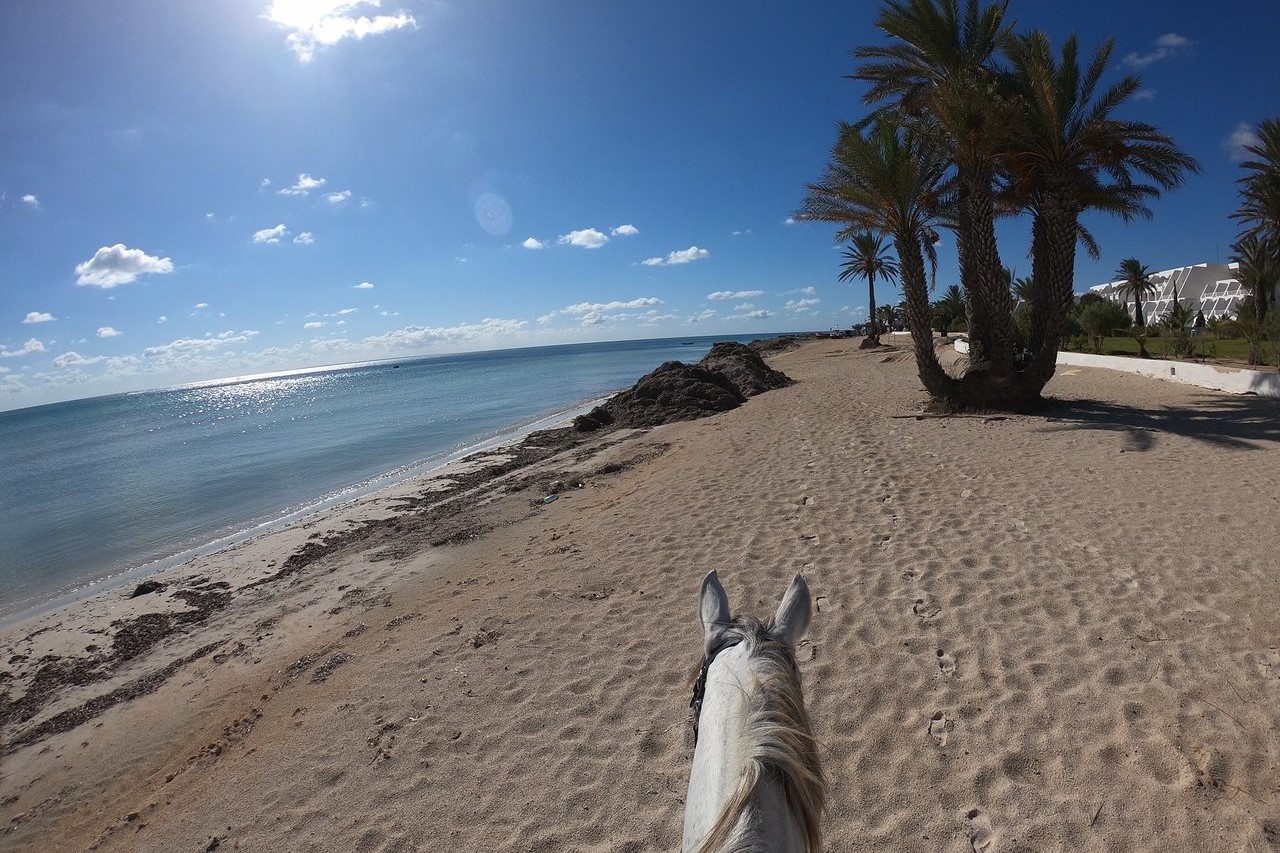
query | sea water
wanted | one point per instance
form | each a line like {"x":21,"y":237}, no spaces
{"x":91,"y":489}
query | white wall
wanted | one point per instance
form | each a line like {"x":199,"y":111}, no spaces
{"x":1233,"y":380}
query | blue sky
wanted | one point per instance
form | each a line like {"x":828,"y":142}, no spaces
{"x":199,"y":190}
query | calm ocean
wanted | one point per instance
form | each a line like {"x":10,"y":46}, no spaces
{"x":91,"y":489}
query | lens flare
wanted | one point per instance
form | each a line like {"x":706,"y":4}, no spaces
{"x":493,"y":213}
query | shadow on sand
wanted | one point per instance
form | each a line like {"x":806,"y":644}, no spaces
{"x":1243,"y":422}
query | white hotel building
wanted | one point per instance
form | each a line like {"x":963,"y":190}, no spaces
{"x":1211,"y":288}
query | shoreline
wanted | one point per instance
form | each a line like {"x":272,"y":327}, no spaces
{"x":371,"y":487}
{"x":989,"y":634}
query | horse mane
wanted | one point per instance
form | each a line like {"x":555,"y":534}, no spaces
{"x":780,"y":741}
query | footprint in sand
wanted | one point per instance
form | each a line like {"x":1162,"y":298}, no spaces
{"x":946,"y":663}
{"x":1269,"y":663}
{"x":925,"y":608}
{"x":1125,"y":578}
{"x":939,"y":728}
{"x":981,"y":835}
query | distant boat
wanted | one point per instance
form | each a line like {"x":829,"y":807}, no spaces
{"x":687,"y":344}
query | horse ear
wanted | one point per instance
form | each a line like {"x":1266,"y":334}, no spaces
{"x":792,"y":618}
{"x":714,"y":609}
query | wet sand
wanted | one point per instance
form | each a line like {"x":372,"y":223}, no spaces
{"x":1032,"y":633}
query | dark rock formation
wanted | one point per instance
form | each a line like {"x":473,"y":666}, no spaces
{"x":744,"y":368}
{"x":674,"y":392}
{"x":146,"y":588}
{"x":772,"y":346}
{"x":723,"y":380}
{"x":593,"y":420}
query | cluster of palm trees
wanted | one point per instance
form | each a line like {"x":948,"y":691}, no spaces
{"x":971,"y":120}
{"x":1257,"y":249}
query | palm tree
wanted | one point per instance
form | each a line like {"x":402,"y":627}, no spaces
{"x":938,"y":73}
{"x":1067,"y":154}
{"x":1260,"y":213}
{"x":886,"y":179}
{"x":949,"y":308}
{"x":867,"y":258}
{"x":1135,"y":284}
{"x":1260,"y":188}
{"x":1258,"y":258}
{"x":888,"y":315}
{"x":1023,"y":290}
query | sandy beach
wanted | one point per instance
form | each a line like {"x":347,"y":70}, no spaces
{"x":1032,"y":633}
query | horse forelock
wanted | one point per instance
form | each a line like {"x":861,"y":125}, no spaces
{"x":779,"y":739}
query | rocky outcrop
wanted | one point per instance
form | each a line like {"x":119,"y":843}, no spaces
{"x":676,"y":391}
{"x":744,"y":368}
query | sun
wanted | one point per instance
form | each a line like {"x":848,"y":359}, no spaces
{"x":305,"y":14}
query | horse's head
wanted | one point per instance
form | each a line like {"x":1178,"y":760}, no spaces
{"x":756,"y":771}
{"x":787,"y":626}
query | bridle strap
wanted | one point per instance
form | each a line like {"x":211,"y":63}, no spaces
{"x":700,"y":686}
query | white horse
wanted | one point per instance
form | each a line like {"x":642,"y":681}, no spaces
{"x":756,"y":783}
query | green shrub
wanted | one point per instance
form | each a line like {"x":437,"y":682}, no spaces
{"x":1101,"y":317}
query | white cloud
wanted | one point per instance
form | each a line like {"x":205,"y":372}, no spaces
{"x":184,"y":346}
{"x":1167,"y":45}
{"x":304,"y":185}
{"x":108,"y":332}
{"x":735,"y":294}
{"x":802,"y":306}
{"x":38,"y":317}
{"x":808,"y":291}
{"x":75,"y":359}
{"x":625,"y":231}
{"x":115,"y":265}
{"x":1144,"y":95}
{"x":758,"y":314}
{"x":1243,"y":136}
{"x":596,"y":307}
{"x":270,"y":235}
{"x":322,"y":23}
{"x":338,"y":197}
{"x":594,"y":313}
{"x":201,"y":305}
{"x":419,"y":337}
{"x":314,"y":324}
{"x":533,"y":243}
{"x":740,"y":232}
{"x":347,"y":311}
{"x":587,"y":238}
{"x":709,"y":314}
{"x":684,"y":256}
{"x":162,"y":319}
{"x":306,"y":238}
{"x":30,"y":201}
{"x":790,"y":220}
{"x":32,"y":345}
{"x":364,"y":285}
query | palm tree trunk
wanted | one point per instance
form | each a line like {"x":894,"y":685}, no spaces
{"x":989,"y":308}
{"x":874,"y":338}
{"x":1053,"y":261}
{"x":916,"y":292}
